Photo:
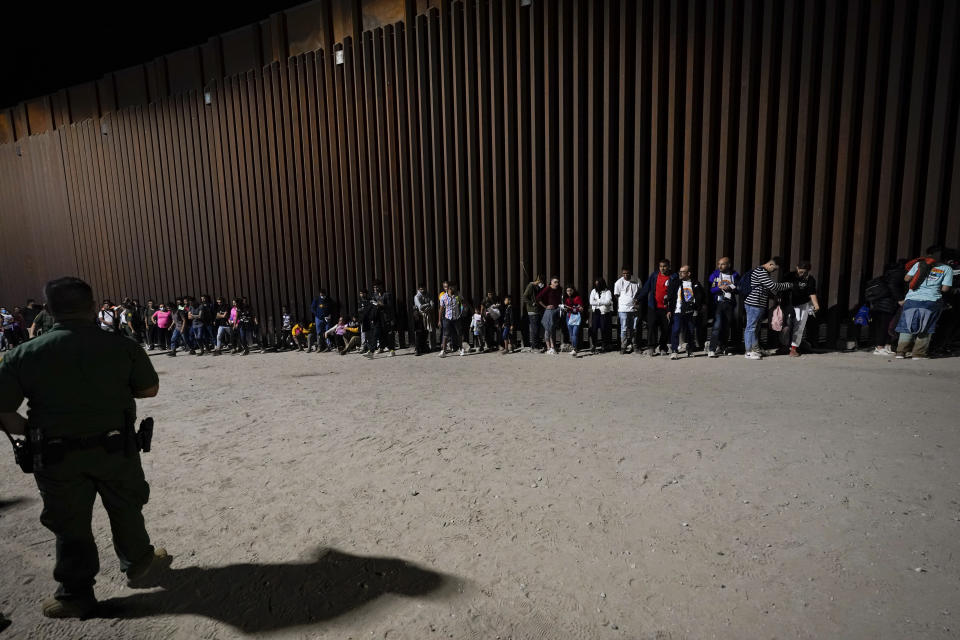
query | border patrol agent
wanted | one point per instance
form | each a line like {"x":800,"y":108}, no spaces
{"x":81,"y":384}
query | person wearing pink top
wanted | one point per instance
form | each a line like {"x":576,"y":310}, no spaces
{"x":164,"y":318}
{"x":233,"y":320}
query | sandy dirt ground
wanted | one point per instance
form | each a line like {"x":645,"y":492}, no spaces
{"x":528,"y":496}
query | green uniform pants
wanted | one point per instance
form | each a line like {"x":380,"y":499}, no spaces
{"x":69,"y":489}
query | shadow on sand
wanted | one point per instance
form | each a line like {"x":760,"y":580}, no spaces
{"x":10,"y":503}
{"x":265,"y":597}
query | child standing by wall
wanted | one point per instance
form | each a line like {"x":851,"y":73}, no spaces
{"x":476,"y":331}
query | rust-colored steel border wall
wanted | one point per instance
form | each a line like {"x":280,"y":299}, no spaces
{"x":488,"y":141}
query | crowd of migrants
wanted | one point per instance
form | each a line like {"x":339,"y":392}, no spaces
{"x":901,"y":307}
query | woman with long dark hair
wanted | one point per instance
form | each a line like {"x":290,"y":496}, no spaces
{"x":550,"y":299}
{"x":601,"y":306}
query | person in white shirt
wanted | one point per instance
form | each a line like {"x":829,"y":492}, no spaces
{"x":107,"y":316}
{"x":601,"y":306}
{"x":625,"y":290}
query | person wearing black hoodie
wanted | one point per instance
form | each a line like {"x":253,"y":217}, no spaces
{"x":685,"y":298}
{"x":367,"y":315}
{"x":884,"y":295}
{"x":385,"y":323}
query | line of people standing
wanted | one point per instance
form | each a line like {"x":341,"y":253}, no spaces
{"x":198,"y":326}
{"x":674,"y":305}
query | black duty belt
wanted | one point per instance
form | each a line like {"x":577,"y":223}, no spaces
{"x":110,"y":440}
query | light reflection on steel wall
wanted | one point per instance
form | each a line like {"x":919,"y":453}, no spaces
{"x":489,"y":141}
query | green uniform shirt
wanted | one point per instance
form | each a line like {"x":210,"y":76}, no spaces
{"x":77,"y":378}
{"x":44,"y":322}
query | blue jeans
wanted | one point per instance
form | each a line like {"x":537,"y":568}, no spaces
{"x":574,"y":331}
{"x":199,"y":337}
{"x":321,"y":325}
{"x":628,"y":321}
{"x":754,"y":316}
{"x":687,"y":324}
{"x":179,"y":338}
{"x":223,"y":336}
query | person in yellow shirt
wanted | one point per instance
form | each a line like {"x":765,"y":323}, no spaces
{"x":351,"y":334}
{"x":301,"y":334}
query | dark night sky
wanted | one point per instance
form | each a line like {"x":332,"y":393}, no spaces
{"x":51,"y":46}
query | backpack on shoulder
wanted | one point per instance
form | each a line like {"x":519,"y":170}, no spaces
{"x":745,"y":285}
{"x":877,"y":289}
{"x":923,"y":270}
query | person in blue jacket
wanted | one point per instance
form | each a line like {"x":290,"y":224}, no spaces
{"x":322,"y":310}
{"x":723,"y":291}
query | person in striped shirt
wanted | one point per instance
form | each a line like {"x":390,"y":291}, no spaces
{"x":761,"y":286}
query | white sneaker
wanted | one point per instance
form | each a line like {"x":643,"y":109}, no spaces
{"x":573,"y":353}
{"x":462,"y":352}
{"x":900,"y":356}
{"x":551,"y":352}
{"x":753,"y":355}
{"x":443,"y":353}
{"x":674,"y":356}
{"x":711,"y":354}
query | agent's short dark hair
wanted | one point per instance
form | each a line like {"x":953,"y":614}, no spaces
{"x":67,"y":296}
{"x":805,"y":264}
{"x":777,"y":260}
